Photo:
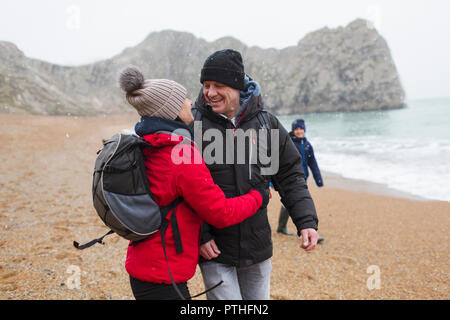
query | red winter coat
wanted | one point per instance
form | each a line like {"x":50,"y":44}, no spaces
{"x":203,"y":200}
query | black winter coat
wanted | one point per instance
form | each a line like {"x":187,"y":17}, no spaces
{"x":250,"y":242}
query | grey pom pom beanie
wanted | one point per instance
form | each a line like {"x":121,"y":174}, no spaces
{"x":153,"y":97}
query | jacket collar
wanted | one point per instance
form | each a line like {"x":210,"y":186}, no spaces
{"x":151,"y":125}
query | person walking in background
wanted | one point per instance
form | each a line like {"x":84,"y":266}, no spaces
{"x":306,"y":150}
{"x":164,"y":111}
{"x":240,"y":255}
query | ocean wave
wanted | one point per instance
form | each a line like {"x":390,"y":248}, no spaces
{"x":407,"y":176}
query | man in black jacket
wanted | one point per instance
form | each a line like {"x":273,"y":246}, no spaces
{"x":228,"y":106}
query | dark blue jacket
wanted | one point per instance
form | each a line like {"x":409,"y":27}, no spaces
{"x":306,"y":151}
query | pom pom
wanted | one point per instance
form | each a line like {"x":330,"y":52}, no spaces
{"x":131,"y":79}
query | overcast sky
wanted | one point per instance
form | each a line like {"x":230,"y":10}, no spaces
{"x":80,"y":31}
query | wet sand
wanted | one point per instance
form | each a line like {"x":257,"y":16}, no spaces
{"x":46,"y":167}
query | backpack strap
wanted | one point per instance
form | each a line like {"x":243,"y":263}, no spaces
{"x":207,"y":290}
{"x":173,"y":222}
{"x":164,"y":224}
{"x":91,"y":243}
{"x":197,"y":117}
{"x":197,"y":114}
{"x":264,"y":120}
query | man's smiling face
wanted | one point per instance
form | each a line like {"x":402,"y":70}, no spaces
{"x":222,"y":98}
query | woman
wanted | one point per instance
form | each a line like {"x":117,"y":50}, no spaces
{"x":175,"y":170}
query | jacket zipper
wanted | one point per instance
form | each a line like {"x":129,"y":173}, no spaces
{"x":251,"y":145}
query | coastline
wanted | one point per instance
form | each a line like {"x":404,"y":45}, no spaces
{"x":338,"y":181}
{"x":46,"y":165}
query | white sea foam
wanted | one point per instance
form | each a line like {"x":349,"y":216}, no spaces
{"x":414,"y":166}
{"x":407,"y":149}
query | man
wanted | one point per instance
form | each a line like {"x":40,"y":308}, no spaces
{"x":240,"y":255}
{"x":306,"y":150}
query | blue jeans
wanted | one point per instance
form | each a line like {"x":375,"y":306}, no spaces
{"x":247,"y":283}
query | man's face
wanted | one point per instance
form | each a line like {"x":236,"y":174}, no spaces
{"x":222,"y":98}
{"x":299,"y":132}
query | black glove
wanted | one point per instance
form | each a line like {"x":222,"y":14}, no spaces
{"x":263,"y":188}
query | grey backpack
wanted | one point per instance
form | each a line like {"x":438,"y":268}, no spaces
{"x":121,"y":193}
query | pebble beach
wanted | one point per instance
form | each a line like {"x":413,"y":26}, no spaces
{"x":378,"y":244}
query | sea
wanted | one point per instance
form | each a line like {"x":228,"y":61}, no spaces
{"x":404,"y":149}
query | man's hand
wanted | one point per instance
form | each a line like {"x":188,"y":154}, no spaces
{"x":209,"y":250}
{"x":309,"y":236}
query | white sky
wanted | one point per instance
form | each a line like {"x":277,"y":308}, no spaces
{"x":74,"y":32}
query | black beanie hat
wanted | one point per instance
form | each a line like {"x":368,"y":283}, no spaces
{"x":224,"y":66}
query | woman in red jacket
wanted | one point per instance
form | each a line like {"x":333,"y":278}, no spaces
{"x":176,"y":170}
